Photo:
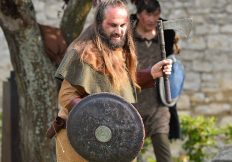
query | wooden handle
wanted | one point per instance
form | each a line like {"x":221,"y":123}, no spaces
{"x":167,"y":89}
{"x":163,"y":56}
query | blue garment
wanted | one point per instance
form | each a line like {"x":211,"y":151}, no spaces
{"x":176,"y":80}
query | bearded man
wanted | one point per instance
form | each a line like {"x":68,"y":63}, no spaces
{"x":101,"y":59}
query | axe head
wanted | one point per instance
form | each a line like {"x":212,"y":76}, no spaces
{"x":181,"y":26}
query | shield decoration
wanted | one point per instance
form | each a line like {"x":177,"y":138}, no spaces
{"x":104,"y":127}
{"x":176,"y":80}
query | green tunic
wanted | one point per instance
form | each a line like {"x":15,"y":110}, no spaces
{"x":81,"y":73}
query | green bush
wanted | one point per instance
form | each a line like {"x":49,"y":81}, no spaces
{"x":147,"y":143}
{"x":227,"y":132}
{"x":199,"y":137}
{"x":199,"y":134}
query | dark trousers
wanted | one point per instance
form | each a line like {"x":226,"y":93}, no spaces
{"x":161,"y":146}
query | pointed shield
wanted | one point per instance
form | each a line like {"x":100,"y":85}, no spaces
{"x":103,"y":127}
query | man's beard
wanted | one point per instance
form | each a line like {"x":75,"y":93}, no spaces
{"x":109,"y":41}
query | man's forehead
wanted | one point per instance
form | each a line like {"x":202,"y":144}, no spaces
{"x":116,"y":12}
{"x":152,"y":12}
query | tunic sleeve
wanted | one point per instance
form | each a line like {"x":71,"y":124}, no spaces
{"x":145,"y":79}
{"x":69,"y":96}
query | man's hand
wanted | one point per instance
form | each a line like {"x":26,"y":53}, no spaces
{"x":164,"y":66}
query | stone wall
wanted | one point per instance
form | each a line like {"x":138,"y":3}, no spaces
{"x":206,"y":54}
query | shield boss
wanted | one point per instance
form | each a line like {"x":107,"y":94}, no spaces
{"x":103,"y":127}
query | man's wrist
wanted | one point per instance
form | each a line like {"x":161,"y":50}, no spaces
{"x":152,"y":75}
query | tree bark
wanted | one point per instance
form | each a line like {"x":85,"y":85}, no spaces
{"x":74,"y":18}
{"x":34,"y":76}
{"x":37,"y":88}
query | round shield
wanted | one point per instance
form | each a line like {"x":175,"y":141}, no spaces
{"x":176,"y":80}
{"x":103,"y":127}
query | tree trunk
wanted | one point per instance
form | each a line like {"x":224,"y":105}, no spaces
{"x":74,"y":18}
{"x":35,"y":73}
{"x":35,"y":81}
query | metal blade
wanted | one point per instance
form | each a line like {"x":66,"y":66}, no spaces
{"x":181,"y":26}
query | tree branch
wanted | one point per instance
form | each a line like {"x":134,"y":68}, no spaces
{"x":74,"y":18}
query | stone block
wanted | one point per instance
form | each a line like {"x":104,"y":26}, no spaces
{"x":224,"y":155}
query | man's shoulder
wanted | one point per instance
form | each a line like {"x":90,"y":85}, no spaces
{"x":81,"y":46}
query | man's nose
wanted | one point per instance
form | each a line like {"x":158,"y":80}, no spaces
{"x":152,"y":19}
{"x":118,"y":30}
